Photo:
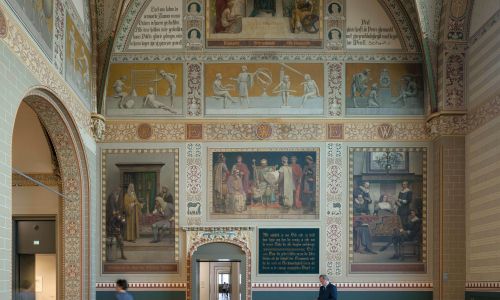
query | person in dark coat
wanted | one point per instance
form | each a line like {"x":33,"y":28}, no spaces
{"x":327,"y":291}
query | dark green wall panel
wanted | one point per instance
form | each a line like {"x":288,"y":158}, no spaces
{"x":482,"y":296}
{"x":154,"y":295}
{"x":301,"y":295}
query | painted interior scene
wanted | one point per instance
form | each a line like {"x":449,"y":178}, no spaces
{"x":264,"y":23}
{"x":384,"y":89}
{"x":37,"y":16}
{"x":77,"y":62}
{"x":388,"y":209}
{"x":264,"y":89}
{"x":144,"y":90}
{"x":264,"y":184}
{"x":140,"y":194}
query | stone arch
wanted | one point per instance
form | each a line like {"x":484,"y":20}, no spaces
{"x":199,"y":237}
{"x":73,"y":260}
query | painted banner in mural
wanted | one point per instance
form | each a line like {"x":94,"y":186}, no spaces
{"x":141,"y":90}
{"x":77,"y":62}
{"x":257,"y":23}
{"x":140,"y":196}
{"x":384,"y":89}
{"x":388,"y":209}
{"x":38,"y":18}
{"x":264,"y":89}
{"x":263,"y":183}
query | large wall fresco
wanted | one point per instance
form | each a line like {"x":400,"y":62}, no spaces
{"x":257,"y":23}
{"x":264,"y":89}
{"x":263,"y":183}
{"x":388,"y":209}
{"x":141,"y":90}
{"x":384,"y":89}
{"x":140,"y":197}
{"x":38,"y":17}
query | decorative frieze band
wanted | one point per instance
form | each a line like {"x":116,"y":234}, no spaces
{"x":145,"y":285}
{"x":490,"y":285}
{"x":345,"y":285}
{"x":48,"y":179}
{"x":300,"y":130}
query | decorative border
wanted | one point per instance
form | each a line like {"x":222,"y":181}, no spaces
{"x":124,"y":131}
{"x":346,"y":285}
{"x":144,"y":285}
{"x":335,"y":90}
{"x":194,"y":89}
{"x":405,"y":26}
{"x":59,"y":36}
{"x":334,"y":212}
{"x":473,"y":285}
{"x":104,"y":153}
{"x":125,"y":25}
{"x":49,"y":179}
{"x":37,"y":64}
{"x":424,"y":194}
{"x":239,"y":236}
{"x":483,"y":114}
{"x":485,"y":28}
{"x":259,"y":56}
{"x":194,"y":187}
{"x":74,"y":185}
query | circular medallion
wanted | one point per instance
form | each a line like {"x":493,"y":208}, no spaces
{"x":144,"y":131}
{"x":263,"y":131}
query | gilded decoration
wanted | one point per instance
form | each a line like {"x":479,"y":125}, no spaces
{"x":240,"y":236}
{"x":263,"y":131}
{"x":144,"y":131}
{"x":47,"y":179}
{"x":443,"y":124}
{"x":118,"y":131}
{"x":24,"y":48}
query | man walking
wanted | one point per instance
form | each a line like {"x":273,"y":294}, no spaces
{"x":327,"y":291}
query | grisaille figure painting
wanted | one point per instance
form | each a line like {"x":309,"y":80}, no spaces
{"x":384,"y":89}
{"x":264,"y":89}
{"x":264,"y":23}
{"x":264,"y":183}
{"x":142,"y":89}
{"x":140,"y":196}
{"x":388,"y":209}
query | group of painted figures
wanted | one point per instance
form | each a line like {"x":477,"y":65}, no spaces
{"x":287,"y":186}
{"x":124,"y":216}
{"x":301,"y":14}
{"x":408,"y":230}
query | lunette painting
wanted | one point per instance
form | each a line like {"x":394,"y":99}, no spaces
{"x":140,"y":196}
{"x":264,"y":23}
{"x":263,"y":183}
{"x":388,"y":209}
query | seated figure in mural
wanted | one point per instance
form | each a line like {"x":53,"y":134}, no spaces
{"x":221,"y":90}
{"x":119,"y":89}
{"x":359,"y":85}
{"x":372,"y":97}
{"x":408,"y":89}
{"x":150,"y":101}
{"x":411,"y":232}
{"x":310,"y":89}
{"x":229,"y":20}
{"x":164,"y":207}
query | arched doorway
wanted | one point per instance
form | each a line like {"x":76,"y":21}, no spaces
{"x":73,"y":264}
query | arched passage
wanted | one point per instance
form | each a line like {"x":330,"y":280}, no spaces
{"x":74,"y":265}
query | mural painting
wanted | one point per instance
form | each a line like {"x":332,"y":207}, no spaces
{"x":264,"y":89}
{"x":384,"y":89}
{"x":257,"y":23}
{"x":140,"y":196}
{"x":388,"y":209}
{"x":77,"y":62}
{"x":38,"y":17}
{"x":135,"y":90}
{"x":264,"y":183}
